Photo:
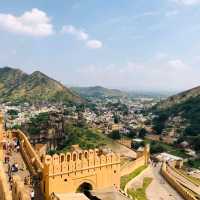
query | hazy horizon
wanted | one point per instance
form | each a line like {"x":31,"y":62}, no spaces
{"x":125,"y":89}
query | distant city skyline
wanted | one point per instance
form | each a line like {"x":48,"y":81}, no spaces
{"x":136,"y":45}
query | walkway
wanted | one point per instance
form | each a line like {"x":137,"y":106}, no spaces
{"x":159,"y":189}
{"x":15,"y":157}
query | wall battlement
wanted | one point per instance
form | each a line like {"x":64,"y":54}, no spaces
{"x":67,"y":172}
{"x":78,"y":161}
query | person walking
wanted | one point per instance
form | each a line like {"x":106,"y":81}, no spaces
{"x":32,"y":195}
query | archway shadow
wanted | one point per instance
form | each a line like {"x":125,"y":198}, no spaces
{"x":86,"y":189}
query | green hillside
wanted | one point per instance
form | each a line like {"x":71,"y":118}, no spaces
{"x":186,"y":106}
{"x":16,"y":85}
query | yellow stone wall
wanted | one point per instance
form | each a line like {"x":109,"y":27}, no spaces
{"x":177,"y":186}
{"x":5,"y":193}
{"x":28,"y":152}
{"x":18,"y":190}
{"x":141,"y":160}
{"x":66,"y":172}
{"x":2,"y":132}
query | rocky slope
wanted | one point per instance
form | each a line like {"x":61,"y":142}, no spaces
{"x":16,"y":85}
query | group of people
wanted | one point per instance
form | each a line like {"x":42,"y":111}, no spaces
{"x":13,"y":167}
{"x":12,"y":146}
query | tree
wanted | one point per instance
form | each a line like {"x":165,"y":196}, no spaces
{"x":116,"y":119}
{"x":13,"y":112}
{"x":142,"y":133}
{"x":157,"y":148}
{"x":115,"y":135}
{"x":131,"y":134}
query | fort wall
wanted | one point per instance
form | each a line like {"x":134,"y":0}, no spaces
{"x":18,"y":190}
{"x":142,"y":159}
{"x":66,"y":172}
{"x":133,"y":166}
{"x":177,"y":186}
{"x":5,"y":193}
{"x":1,"y":136}
{"x":28,"y":152}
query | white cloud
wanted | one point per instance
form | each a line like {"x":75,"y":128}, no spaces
{"x":94,"y":44}
{"x":79,"y":34}
{"x":178,"y":64}
{"x":33,"y":23}
{"x":82,"y":35}
{"x":187,"y":2}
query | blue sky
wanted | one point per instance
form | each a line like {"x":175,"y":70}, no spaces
{"x":132,"y":44}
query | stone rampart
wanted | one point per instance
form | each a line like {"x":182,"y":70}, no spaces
{"x":19,"y":191}
{"x":28,"y":152}
{"x":142,"y":159}
{"x":5,"y":193}
{"x":177,"y":186}
{"x":133,"y":166}
{"x":67,"y":172}
{"x":78,"y":161}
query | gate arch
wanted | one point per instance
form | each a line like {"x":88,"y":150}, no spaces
{"x":85,"y":185}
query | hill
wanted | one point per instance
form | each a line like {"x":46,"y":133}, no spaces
{"x":16,"y":85}
{"x":180,"y":98}
{"x":180,"y":114}
{"x":98,"y":91}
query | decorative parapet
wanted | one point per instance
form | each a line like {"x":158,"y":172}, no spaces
{"x":77,"y":161}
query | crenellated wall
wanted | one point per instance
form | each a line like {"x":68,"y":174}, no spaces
{"x":177,"y":186}
{"x":66,"y":172}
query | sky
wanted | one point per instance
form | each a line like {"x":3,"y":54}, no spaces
{"x":127,"y":44}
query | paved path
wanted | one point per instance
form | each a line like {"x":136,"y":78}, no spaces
{"x":16,"y":157}
{"x":159,"y":189}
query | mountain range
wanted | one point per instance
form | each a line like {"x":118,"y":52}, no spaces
{"x":98,"y":92}
{"x":15,"y":85}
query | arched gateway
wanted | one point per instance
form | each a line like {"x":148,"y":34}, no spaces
{"x":84,"y":187}
{"x":80,"y":171}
